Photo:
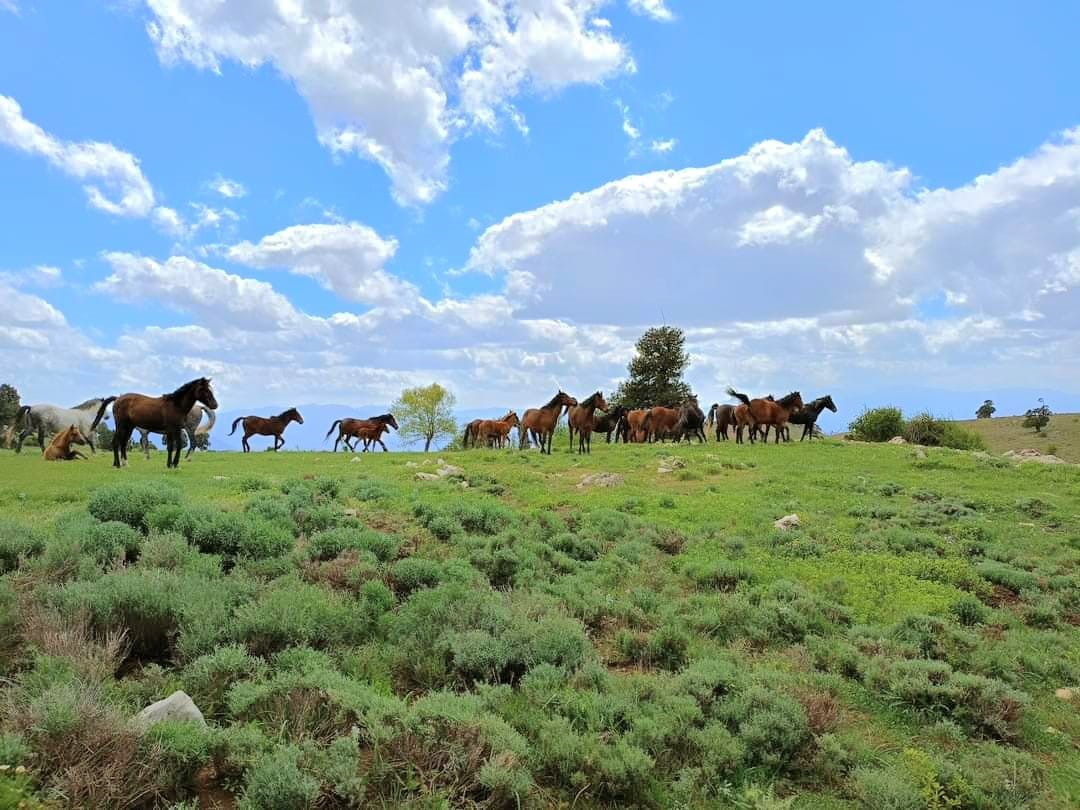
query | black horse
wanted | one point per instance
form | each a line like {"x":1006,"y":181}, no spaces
{"x":808,"y":416}
{"x":691,"y":421}
{"x":608,"y":423}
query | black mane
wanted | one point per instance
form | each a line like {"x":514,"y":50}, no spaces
{"x":183,"y":390}
{"x":590,"y":401}
{"x":784,"y":402}
{"x":385,"y":417}
{"x":553,"y":402}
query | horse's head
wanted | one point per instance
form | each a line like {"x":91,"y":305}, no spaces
{"x":390,"y":420}
{"x":294,"y":415}
{"x":74,"y":435}
{"x":828,"y":403}
{"x":792,"y":402}
{"x":205,"y":394}
{"x":565,"y":399}
{"x":512,"y":418}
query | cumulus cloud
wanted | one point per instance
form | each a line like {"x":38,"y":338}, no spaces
{"x":662,"y":147}
{"x":397,"y":83}
{"x":347,"y":259}
{"x":230,"y":189}
{"x":657,"y":9}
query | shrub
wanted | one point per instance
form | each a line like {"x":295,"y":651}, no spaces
{"x":183,"y":747}
{"x":107,"y":542}
{"x":877,"y":425}
{"x":13,"y":750}
{"x":208,"y":678}
{"x":969,"y":611}
{"x":413,"y":573}
{"x":16,"y":541}
{"x":131,"y":502}
{"x":328,"y":544}
{"x":723,"y":575}
{"x":933,"y":432}
{"x":1015,"y":579}
{"x":276,"y":782}
{"x":293,"y":612}
{"x":772,"y":725}
{"x":232,"y":534}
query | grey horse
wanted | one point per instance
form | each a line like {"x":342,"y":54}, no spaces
{"x":53,"y":418}
{"x":191,"y":427}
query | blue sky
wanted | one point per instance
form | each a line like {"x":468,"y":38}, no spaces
{"x":796,"y":186}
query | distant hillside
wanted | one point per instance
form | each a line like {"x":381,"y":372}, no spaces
{"x":1005,"y":433}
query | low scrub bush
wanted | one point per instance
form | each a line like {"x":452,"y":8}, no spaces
{"x":131,"y":502}
{"x":926,"y":429}
{"x":328,"y":544}
{"x":724,"y":575}
{"x":1008,"y":576}
{"x":16,"y":542}
{"x":877,"y":425}
{"x":232,"y":534}
{"x":292,"y":612}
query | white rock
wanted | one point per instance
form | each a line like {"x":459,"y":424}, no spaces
{"x":354,"y":459}
{"x":897,"y":440}
{"x":1065,"y":693}
{"x":601,"y":480}
{"x":788,"y":522}
{"x":446,"y":470}
{"x":177,"y":706}
{"x":427,"y":477}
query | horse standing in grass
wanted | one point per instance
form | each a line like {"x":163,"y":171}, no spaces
{"x":691,"y":421}
{"x":267,"y":426}
{"x":808,"y":416}
{"x":723,"y":417}
{"x":608,"y":423}
{"x":60,"y":448}
{"x":661,"y":422}
{"x":754,"y":412}
{"x":497,"y":431}
{"x":541,"y":422}
{"x":633,"y":428}
{"x":370,"y":429}
{"x":164,"y":414}
{"x":472,"y":430}
{"x":53,"y":419}
{"x":581,"y":419}
{"x":191,"y":427}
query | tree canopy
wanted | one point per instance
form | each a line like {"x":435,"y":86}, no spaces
{"x":655,"y":373}
{"x":986,"y":410}
{"x":9,"y":403}
{"x":1038,"y":418}
{"x":425,"y":414}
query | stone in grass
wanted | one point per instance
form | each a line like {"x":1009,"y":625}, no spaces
{"x":670,"y":464}
{"x":421,"y":476}
{"x":788,"y":522}
{"x":897,"y":440}
{"x":177,"y":706}
{"x":1066,"y":693}
{"x":601,"y":480}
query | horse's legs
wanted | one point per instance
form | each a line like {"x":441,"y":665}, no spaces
{"x":41,"y":437}
{"x":190,"y":442}
{"x":116,"y":445}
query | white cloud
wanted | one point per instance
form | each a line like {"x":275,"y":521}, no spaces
{"x":230,"y":189}
{"x":114,"y":181}
{"x":628,"y":128}
{"x":347,"y":259}
{"x":657,"y":9}
{"x":662,"y":147}
{"x":397,"y":83}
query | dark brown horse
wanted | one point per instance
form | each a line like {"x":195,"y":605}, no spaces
{"x":164,"y":414}
{"x":723,"y":416}
{"x":541,"y":422}
{"x":60,"y":448}
{"x":496,"y":432}
{"x":580,"y":418}
{"x":691,"y":421}
{"x":808,"y":416}
{"x":608,"y":423}
{"x":371,"y":428}
{"x":263,"y":426}
{"x":764,"y":412}
{"x":472,"y":430}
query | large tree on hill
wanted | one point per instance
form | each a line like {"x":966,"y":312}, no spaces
{"x":986,"y":410}
{"x":9,"y":404}
{"x":425,"y":414}
{"x":656,"y":370}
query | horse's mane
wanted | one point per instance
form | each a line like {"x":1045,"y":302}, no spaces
{"x":784,"y":402}
{"x":553,"y":402}
{"x":384,"y":417}
{"x":90,"y":403}
{"x":286,"y":412}
{"x":179,"y":393}
{"x":817,"y":404}
{"x":590,"y":400}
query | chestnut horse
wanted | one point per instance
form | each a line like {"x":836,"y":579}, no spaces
{"x":497,"y":431}
{"x":723,"y":416}
{"x":541,"y":422}
{"x":661,"y":422}
{"x":580,"y":418}
{"x":472,"y":430}
{"x":634,"y":427}
{"x":262,"y":426}
{"x":371,"y":428}
{"x":60,"y":447}
{"x":754,"y":412}
{"x":370,"y":435}
{"x":165,"y":414}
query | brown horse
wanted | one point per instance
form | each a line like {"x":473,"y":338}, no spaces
{"x":497,"y":431}
{"x":580,"y":418}
{"x":164,"y":414}
{"x":662,"y":423}
{"x":723,"y":416}
{"x":472,"y":430}
{"x":60,"y":447}
{"x":371,"y":429}
{"x":634,"y":427}
{"x":262,"y":426}
{"x":541,"y":422}
{"x":609,"y":422}
{"x":754,"y":412}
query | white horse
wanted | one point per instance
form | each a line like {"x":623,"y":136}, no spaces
{"x":191,"y":427}
{"x":52,"y":419}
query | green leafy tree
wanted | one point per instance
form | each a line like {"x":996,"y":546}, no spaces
{"x":986,"y":410}
{"x":9,"y":404}
{"x":1038,"y":418}
{"x":425,"y":414}
{"x":656,"y":370}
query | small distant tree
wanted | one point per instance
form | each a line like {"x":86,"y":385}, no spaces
{"x":1038,"y":418}
{"x":986,"y":410}
{"x":425,"y":414}
{"x":656,"y":370}
{"x":9,"y":404}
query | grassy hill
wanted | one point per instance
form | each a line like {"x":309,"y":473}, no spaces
{"x":358,"y":637}
{"x":1062,"y":437}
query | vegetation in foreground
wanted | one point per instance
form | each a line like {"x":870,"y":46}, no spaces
{"x":356,"y":637}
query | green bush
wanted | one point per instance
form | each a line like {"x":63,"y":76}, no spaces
{"x":276,"y":782}
{"x":723,"y":575}
{"x":969,"y":611}
{"x":877,"y":425}
{"x":928,"y":430}
{"x":183,"y":747}
{"x":209,"y":677}
{"x":13,"y":750}
{"x":772,"y":725}
{"x":111,"y":541}
{"x":328,"y":544}
{"x":232,"y":534}
{"x":131,"y":502}
{"x":1015,"y":579}
{"x":413,"y":573}
{"x":293,"y":613}
{"x":16,"y":541}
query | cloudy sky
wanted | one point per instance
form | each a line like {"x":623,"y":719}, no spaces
{"x":327,"y":200}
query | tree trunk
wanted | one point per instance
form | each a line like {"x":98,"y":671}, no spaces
{"x":427,"y":444}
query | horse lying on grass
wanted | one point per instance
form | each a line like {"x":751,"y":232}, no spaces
{"x":60,"y":448}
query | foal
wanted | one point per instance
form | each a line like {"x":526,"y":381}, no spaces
{"x":60,"y":447}
{"x":274,"y":426}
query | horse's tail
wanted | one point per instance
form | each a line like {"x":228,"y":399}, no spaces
{"x":236,"y":422}
{"x":211,"y":415}
{"x":712,"y":414}
{"x":741,"y":397}
{"x":331,"y":430}
{"x":101,"y":412}
{"x":465,"y":436}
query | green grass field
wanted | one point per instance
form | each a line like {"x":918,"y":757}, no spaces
{"x":357,"y":637}
{"x":1061,"y":438}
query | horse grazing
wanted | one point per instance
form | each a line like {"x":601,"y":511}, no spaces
{"x":808,"y":416}
{"x":370,"y":429}
{"x":191,"y":427}
{"x":723,"y":416}
{"x":267,"y":426}
{"x":60,"y":447}
{"x":496,"y":432}
{"x":53,"y":419}
{"x":608,"y":423}
{"x":691,"y":421}
{"x":634,"y":427}
{"x":580,"y":418}
{"x":164,"y":414}
{"x":541,"y":422}
{"x":754,"y":412}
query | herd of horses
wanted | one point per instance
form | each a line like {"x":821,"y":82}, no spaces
{"x":183,"y":409}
